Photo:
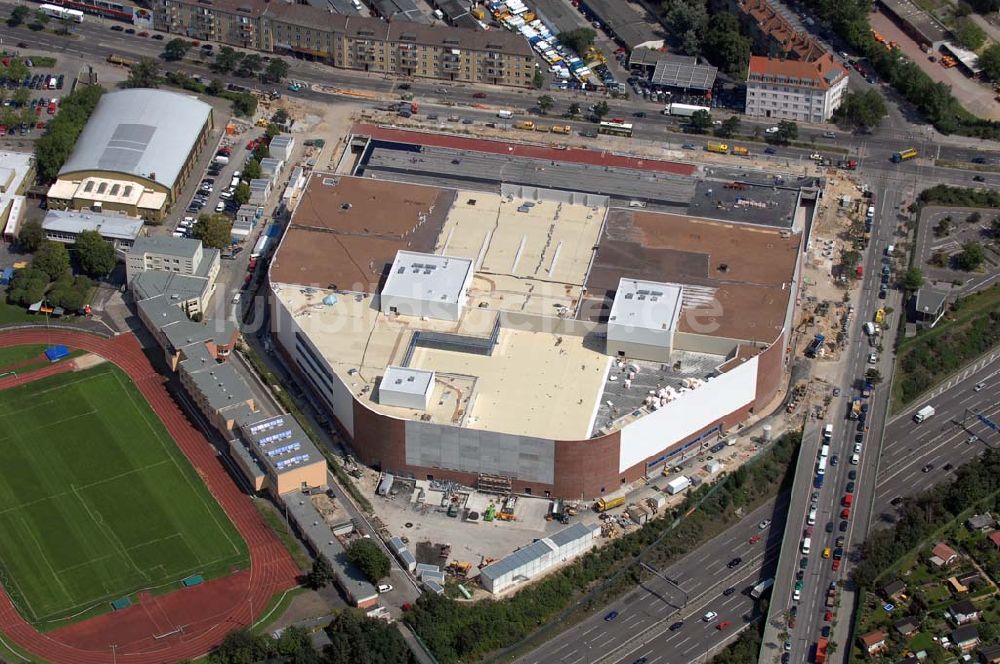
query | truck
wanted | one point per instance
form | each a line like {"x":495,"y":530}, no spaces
{"x":903,"y":155}
{"x":849,"y":164}
{"x":740,"y":150}
{"x":855,"y":409}
{"x":605,"y":504}
{"x":815,"y":345}
{"x":831,"y":595}
{"x":721,"y":148}
{"x":758,"y":591}
{"x":683,"y":110}
{"x":821,"y":646}
{"x":677,"y":485}
{"x":505,"y":115}
{"x":562,"y":129}
{"x":525,"y":124}
{"x":923,"y":414}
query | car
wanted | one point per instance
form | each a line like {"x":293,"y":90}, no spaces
{"x":972,"y":439}
{"x":639,"y":114}
{"x":840,"y":541}
{"x":815,"y":156}
{"x":799,"y":575}
{"x":479,"y":95}
{"x":788,"y":646}
{"x":117,"y":28}
{"x":710,"y":616}
{"x":978,"y":178}
{"x":689,"y":146}
{"x":803,"y":562}
{"x":927,"y":468}
{"x":849,"y":487}
{"x":236,"y":300}
{"x":764,"y":524}
{"x":829,"y":134}
{"x":158,"y":37}
{"x":835,"y":565}
{"x":770,"y":150}
{"x":979,"y":387}
{"x":641,"y":660}
{"x":872,"y":358}
{"x":772,"y":130}
{"x":829,"y":526}
{"x":735,"y":562}
{"x":897,"y":501}
{"x":827,"y":552}
{"x":725,"y":624}
{"x":796,"y":594}
{"x":220,"y":206}
{"x":755,"y":539}
{"x":786,"y":658}
{"x":883,"y":293}
{"x":143,"y":34}
{"x":843,"y":526}
{"x":946,"y":467}
{"x":838,"y":553}
{"x":403,"y":86}
{"x":807,"y":531}
{"x":834,"y":460}
{"x":728,"y":591}
{"x":467,"y":121}
{"x":855,"y":459}
{"x":852,"y":475}
{"x":611,"y":616}
{"x":979,"y":160}
{"x":845,"y":513}
{"x":676,"y":626}
{"x":857,"y":448}
{"x":859,"y":438}
{"x":130,"y":31}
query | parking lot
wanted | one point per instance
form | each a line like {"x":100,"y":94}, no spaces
{"x":33,"y":87}
{"x":942,"y":233}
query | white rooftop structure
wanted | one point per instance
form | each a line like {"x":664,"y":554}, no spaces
{"x":427,"y":285}
{"x":405,"y":387}
{"x":643,"y":318}
{"x":12,"y":174}
{"x":141,"y":132}
{"x":66,"y":225}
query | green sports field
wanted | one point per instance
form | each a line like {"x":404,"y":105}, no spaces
{"x":96,"y":500}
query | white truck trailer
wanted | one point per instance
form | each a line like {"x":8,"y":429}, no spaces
{"x":923,"y":414}
{"x":677,"y":485}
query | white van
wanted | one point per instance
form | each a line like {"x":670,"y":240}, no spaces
{"x":828,"y":431}
{"x":824,"y":451}
{"x":811,"y":519}
{"x":235,"y":181}
{"x":855,"y":458}
{"x":821,"y":466}
{"x":506,"y":115}
{"x":221,"y":159}
{"x":805,"y":546}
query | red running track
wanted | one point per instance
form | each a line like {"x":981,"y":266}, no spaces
{"x":205,"y":613}
{"x":570,"y":154}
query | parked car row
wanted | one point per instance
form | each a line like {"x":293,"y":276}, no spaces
{"x":34,"y":82}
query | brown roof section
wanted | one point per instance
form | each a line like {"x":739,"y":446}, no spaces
{"x":346,"y":231}
{"x":364,"y":27}
{"x":943,"y":551}
{"x":749,"y":268}
{"x":820,"y":73}
{"x":872,"y":638}
{"x":797,"y":45}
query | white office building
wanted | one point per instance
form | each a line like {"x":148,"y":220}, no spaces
{"x":795,"y":90}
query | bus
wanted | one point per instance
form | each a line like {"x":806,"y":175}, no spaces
{"x":721,"y":148}
{"x":62,"y":13}
{"x":908,"y":153}
{"x":616,"y":129}
{"x":757,"y":591}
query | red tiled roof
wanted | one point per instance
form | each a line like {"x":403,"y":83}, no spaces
{"x":872,"y":638}
{"x":995,"y":538}
{"x":797,"y":44}
{"x":943,"y":551}
{"x":822,"y":72}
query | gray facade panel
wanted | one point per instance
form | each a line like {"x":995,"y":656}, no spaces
{"x":473,"y":451}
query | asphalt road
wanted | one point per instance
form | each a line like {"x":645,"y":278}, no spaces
{"x":642,"y":626}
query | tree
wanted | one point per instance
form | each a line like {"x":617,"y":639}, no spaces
{"x":244,"y":104}
{"x":700,"y":122}
{"x":213,"y":230}
{"x":687,"y":18}
{"x":21,"y":96}
{"x":600,"y":110}
{"x":995,"y":229}
{"x":862,"y":110}
{"x":356,"y":638}
{"x":176,"y":49}
{"x":573,"y":110}
{"x":913,"y":279}
{"x":990,"y":62}
{"x":545,"y":103}
{"x":144,"y":74}
{"x":250,"y":65}
{"x":538,"y":80}
{"x":272,"y":130}
{"x":369,"y":558}
{"x":39,"y":20}
{"x":729,"y":127}
{"x":241,"y":647}
{"x":280,"y":117}
{"x":261,"y":151}
{"x":788,"y":131}
{"x":226,"y":59}
{"x":96,"y":256}
{"x":31,"y":236}
{"x":52,"y":259}
{"x":70,"y":293}
{"x":321,"y":574}
{"x":724,"y":46}
{"x":242,"y":193}
{"x":974,"y":218}
{"x":874,"y":376}
{"x":277,"y":70}
{"x":28,"y":286}
{"x":215,"y":87}
{"x":18,"y":16}
{"x":970,"y":35}
{"x":579,"y":39}
{"x":252,"y":170}
{"x":54,"y":146}
{"x":971,"y":257}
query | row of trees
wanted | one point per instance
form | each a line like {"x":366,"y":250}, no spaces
{"x":459,"y":632}
{"x":53,"y":148}
{"x":925,"y":513}
{"x":249,"y":65}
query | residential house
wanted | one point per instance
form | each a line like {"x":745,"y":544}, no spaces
{"x":966,"y":638}
{"x":982,"y":522}
{"x":989,"y":654}
{"x":964,"y":612}
{"x":943,"y":555}
{"x":995,"y":538}
{"x":907,"y":627}
{"x":795,"y":90}
{"x":894,"y":591}
{"x":957,"y":586}
{"x":970,"y":579}
{"x":874,"y":642}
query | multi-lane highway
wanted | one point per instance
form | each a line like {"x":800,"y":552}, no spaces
{"x":642,"y":619}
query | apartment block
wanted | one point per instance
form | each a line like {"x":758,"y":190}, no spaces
{"x":794,"y":89}
{"x":366,"y":44}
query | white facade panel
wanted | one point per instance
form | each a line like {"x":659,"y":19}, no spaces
{"x":688,"y":414}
